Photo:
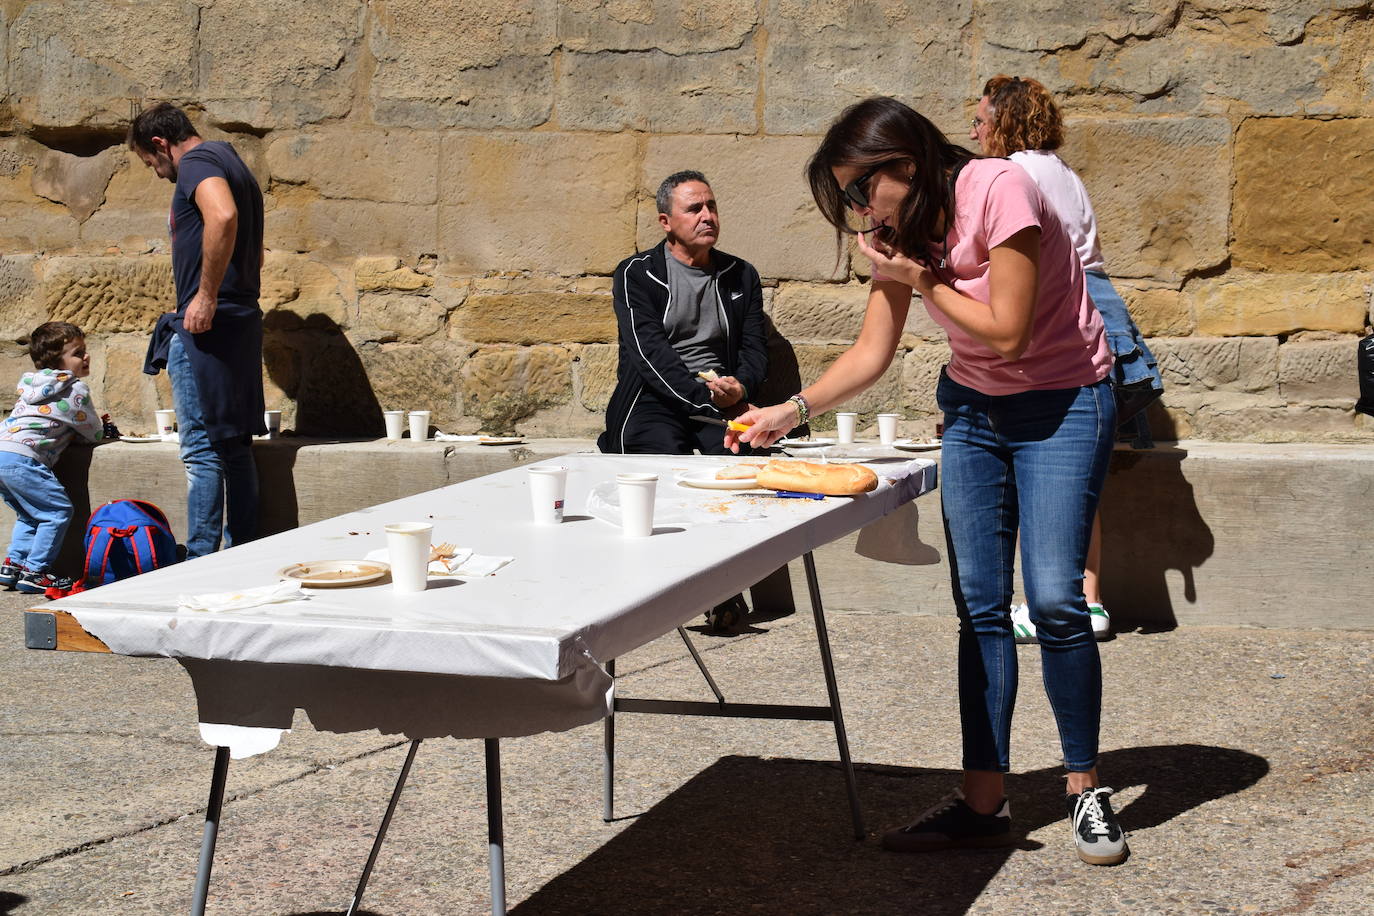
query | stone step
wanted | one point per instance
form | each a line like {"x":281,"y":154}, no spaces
{"x":1195,"y":533}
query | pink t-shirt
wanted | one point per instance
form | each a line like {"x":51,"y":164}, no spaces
{"x":995,"y":199}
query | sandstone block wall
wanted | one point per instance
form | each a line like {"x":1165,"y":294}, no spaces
{"x":450,"y":183}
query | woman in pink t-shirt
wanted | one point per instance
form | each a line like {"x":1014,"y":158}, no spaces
{"x":1029,"y":417}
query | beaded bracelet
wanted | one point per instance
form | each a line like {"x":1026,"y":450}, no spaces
{"x":803,"y":409}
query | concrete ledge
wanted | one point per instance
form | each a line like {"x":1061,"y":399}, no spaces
{"x":1195,"y":533}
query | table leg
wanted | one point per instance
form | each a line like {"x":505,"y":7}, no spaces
{"x":701,"y":665}
{"x":495,"y":834}
{"x":608,"y":759}
{"x":381,"y":831}
{"x":218,"y":778}
{"x":823,"y":638}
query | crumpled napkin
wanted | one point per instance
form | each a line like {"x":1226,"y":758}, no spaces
{"x":276,"y":593}
{"x":464,"y":564}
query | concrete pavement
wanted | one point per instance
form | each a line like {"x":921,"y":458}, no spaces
{"x":1243,"y":758}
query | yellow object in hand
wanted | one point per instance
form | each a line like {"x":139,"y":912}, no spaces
{"x":737,"y":427}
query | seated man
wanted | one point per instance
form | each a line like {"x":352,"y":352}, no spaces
{"x":692,"y":340}
{"x":686,"y":312}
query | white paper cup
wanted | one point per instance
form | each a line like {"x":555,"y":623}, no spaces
{"x":419,"y":425}
{"x":844,"y":427}
{"x":548,"y":486}
{"x":636,"y":504}
{"x":394,"y":420}
{"x":272,"y":420}
{"x":166,"y":424}
{"x":407,"y":547}
{"x":887,"y":427}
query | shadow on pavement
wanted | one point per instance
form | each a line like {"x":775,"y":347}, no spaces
{"x":8,"y":902}
{"x":773,"y":835}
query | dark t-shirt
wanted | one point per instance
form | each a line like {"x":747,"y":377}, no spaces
{"x":242,"y":277}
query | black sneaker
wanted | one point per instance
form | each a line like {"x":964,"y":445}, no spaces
{"x":9,"y":573}
{"x":38,"y":583}
{"x":727,"y":617}
{"x":1096,"y":833}
{"x":952,"y":824}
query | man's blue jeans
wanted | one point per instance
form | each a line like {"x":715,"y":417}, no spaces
{"x":41,"y":507}
{"x":1035,"y":462}
{"x":216,"y":472}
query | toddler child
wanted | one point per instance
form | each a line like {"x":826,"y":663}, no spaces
{"x":54,"y":405}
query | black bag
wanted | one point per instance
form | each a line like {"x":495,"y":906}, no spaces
{"x":1364,"y":368}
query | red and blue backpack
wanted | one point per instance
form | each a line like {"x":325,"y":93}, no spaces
{"x":126,"y":537}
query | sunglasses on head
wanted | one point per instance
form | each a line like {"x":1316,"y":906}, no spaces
{"x":856,"y":192}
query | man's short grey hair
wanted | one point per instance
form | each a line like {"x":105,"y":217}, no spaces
{"x":664,"y":197}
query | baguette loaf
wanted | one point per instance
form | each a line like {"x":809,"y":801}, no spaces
{"x":807,"y":477}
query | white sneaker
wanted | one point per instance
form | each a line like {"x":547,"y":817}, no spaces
{"x":1022,"y":630}
{"x":1102,"y":623}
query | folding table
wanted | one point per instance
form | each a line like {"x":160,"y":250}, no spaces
{"x":528,"y":649}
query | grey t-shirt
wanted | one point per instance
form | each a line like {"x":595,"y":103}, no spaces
{"x":694,"y":321}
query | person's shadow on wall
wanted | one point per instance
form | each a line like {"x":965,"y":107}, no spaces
{"x":773,"y":835}
{"x":313,"y":362}
{"x":1151,"y":526}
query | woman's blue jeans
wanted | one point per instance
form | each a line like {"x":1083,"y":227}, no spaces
{"x":213,"y":469}
{"x":1035,"y":462}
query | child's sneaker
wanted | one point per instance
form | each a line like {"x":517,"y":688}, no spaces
{"x":1021,"y":627}
{"x":38,"y":583}
{"x":952,"y":824}
{"x":1102,"y":623}
{"x":1096,"y":833}
{"x":10,"y":573}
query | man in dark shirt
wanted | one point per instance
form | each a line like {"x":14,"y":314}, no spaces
{"x":212,"y":345}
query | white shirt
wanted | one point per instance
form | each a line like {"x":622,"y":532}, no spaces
{"x":1065,"y":192}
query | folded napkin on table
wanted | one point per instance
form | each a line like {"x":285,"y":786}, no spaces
{"x":450,"y":437}
{"x":464,"y":564}
{"x":276,"y":593}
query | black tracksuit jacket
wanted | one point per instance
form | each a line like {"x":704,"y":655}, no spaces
{"x":649,"y":367}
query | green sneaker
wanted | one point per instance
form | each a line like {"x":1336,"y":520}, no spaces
{"x":1102,"y":623}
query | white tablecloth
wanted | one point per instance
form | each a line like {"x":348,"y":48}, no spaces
{"x":511,"y":654}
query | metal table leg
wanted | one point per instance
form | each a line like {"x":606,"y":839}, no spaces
{"x":218,"y":778}
{"x":495,"y":834}
{"x":381,"y":831}
{"x":608,"y":759}
{"x":823,"y":638}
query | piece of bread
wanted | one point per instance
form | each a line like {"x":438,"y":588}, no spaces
{"x":742,"y":471}
{"x":709,"y":375}
{"x":808,"y":477}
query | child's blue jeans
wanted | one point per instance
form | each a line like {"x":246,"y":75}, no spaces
{"x":41,"y":508}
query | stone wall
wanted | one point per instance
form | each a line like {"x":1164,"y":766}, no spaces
{"x":449,"y":184}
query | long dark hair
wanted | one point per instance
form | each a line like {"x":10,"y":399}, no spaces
{"x":881,"y":129}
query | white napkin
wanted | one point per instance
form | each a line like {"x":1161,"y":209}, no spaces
{"x":464,"y":564}
{"x":450,"y":437}
{"x":276,"y":593}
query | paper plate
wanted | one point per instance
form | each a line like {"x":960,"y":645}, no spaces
{"x":501,"y":440}
{"x":335,"y":573}
{"x":140,"y":438}
{"x":916,"y":445}
{"x":706,"y":479}
{"x":804,"y":443}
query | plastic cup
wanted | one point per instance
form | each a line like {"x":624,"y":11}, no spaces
{"x":548,"y":486}
{"x":419,"y":425}
{"x":636,"y":504}
{"x":166,"y":424}
{"x":844,"y":427}
{"x":407,"y":546}
{"x":394,"y":420}
{"x":272,"y":420}
{"x":887,"y":427}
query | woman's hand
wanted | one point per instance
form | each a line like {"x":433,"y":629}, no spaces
{"x":894,"y":265}
{"x":766,"y":426}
